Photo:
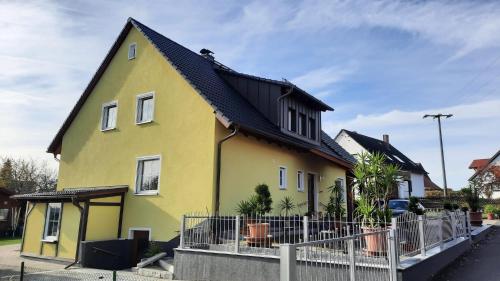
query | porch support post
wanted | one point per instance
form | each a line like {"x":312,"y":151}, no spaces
{"x":120,"y":218}
{"x":26,"y":215}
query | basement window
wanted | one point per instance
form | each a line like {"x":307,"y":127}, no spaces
{"x":145,"y":108}
{"x":282,"y":178}
{"x":52,"y":220}
{"x":109,"y":111}
{"x":148,"y":175}
{"x":132,"y":49}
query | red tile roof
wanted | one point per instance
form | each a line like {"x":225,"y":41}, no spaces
{"x":479,"y":164}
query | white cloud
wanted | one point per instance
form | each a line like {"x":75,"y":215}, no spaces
{"x":468,"y":135}
{"x":321,"y":77}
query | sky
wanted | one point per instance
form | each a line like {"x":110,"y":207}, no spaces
{"x":381,"y":64}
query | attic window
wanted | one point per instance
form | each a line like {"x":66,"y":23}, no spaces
{"x":292,"y":120}
{"x":145,"y":108}
{"x":302,"y":124}
{"x":108,"y":121}
{"x":312,"y":128}
{"x":132,"y":49}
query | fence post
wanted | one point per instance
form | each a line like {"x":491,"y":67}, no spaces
{"x":305,"y":226}
{"x":237,"y":234}
{"x":288,"y":262}
{"x":469,"y":227}
{"x":421,"y":234}
{"x":394,"y":227}
{"x":352,"y":258}
{"x":393,"y":254}
{"x":440,"y":232}
{"x":21,"y":277}
{"x":183,"y":221}
{"x":454,"y":225}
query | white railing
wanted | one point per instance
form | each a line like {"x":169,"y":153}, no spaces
{"x":366,"y":256}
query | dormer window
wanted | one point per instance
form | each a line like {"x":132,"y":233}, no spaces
{"x":292,"y":120}
{"x":302,"y":124}
{"x":312,"y":128}
{"x":132,"y":49}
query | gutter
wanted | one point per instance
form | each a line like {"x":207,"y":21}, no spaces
{"x":289,"y":92}
{"x":218,"y":167}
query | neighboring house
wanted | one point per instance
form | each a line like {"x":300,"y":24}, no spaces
{"x":8,"y":207}
{"x":161,"y":131}
{"x":488,"y":170}
{"x":431,"y":188}
{"x":413,"y":173}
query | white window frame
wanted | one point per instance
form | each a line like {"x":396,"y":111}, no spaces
{"x":103,"y":115}
{"x":147,"y":192}
{"x":52,"y":238}
{"x":282,"y":183}
{"x":135,"y":51}
{"x":132,"y":229}
{"x":137,"y":102}
{"x":300,"y":181}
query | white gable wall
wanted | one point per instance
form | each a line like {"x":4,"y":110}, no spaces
{"x":349,"y":144}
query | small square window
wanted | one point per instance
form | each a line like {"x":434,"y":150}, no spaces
{"x":300,"y":181}
{"x":148,"y":175}
{"x":145,"y":108}
{"x":282,"y":178}
{"x":132,"y":50}
{"x":109,"y":111}
{"x":52,"y":219}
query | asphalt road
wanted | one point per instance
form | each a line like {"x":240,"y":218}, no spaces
{"x":482,"y":262}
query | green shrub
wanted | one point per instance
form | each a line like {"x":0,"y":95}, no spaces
{"x":153,"y":249}
{"x":490,"y":209}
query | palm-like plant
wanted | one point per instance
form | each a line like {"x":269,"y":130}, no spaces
{"x":286,"y":204}
{"x":335,"y":207}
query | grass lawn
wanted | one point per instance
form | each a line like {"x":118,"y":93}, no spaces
{"x":10,"y":240}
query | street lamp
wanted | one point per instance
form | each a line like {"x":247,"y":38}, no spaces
{"x":438,"y":117}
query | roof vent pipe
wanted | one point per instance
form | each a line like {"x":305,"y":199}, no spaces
{"x":206,"y":53}
{"x":385,"y":138}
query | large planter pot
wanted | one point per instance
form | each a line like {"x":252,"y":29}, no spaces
{"x":258,"y":234}
{"x":375,"y":244}
{"x":476,"y":218}
{"x":491,"y":216}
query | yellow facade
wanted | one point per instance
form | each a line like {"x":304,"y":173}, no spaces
{"x":247,"y":162}
{"x":184,"y":134}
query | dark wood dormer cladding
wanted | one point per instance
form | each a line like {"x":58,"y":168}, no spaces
{"x":299,"y":119}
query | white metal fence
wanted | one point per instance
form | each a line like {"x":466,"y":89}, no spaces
{"x":312,"y":247}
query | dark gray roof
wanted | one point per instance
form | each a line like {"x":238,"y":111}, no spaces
{"x":203,"y":76}
{"x":70,"y":193}
{"x":375,"y":145}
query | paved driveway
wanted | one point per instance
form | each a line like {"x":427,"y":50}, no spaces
{"x":480,"y":263}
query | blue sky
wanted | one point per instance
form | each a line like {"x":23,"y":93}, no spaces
{"x":380,"y":64}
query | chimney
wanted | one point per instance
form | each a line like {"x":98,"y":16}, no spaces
{"x":206,"y":53}
{"x":385,"y":138}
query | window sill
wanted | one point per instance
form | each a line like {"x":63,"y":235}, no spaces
{"x":53,"y":241}
{"x":108,"y":129}
{"x":282,"y":188}
{"x":144,"y":122}
{"x":147,"y":193}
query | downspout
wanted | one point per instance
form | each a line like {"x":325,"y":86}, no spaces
{"x":80,"y":208}
{"x":289,"y":92}
{"x":29,"y":208}
{"x":218,"y":167}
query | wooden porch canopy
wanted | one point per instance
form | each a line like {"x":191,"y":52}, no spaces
{"x":73,"y":194}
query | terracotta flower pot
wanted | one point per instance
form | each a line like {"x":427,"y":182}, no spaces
{"x":258,"y":230}
{"x":375,"y":244}
{"x":491,"y":216}
{"x":476,"y":218}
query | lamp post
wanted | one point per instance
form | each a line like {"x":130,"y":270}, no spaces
{"x":438,"y":117}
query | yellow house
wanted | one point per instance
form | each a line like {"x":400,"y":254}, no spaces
{"x":161,"y":131}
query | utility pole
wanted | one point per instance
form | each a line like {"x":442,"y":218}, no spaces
{"x":438,"y":117}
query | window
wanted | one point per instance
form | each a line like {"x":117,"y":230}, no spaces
{"x":302,"y":124}
{"x":52,"y":219}
{"x":300,"y":181}
{"x":312,"y":128}
{"x":282,"y":177}
{"x":109,"y":111}
{"x":148,"y":175}
{"x":4,"y":213}
{"x":339,"y":183}
{"x":145,"y":108}
{"x":132,"y":49}
{"x":292,"y":120}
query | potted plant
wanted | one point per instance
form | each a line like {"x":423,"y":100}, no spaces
{"x":286,"y":205}
{"x":414,"y":206}
{"x":490,"y":211}
{"x":375,"y":180}
{"x":335,"y":207}
{"x":258,"y":205}
{"x":471,"y":196}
